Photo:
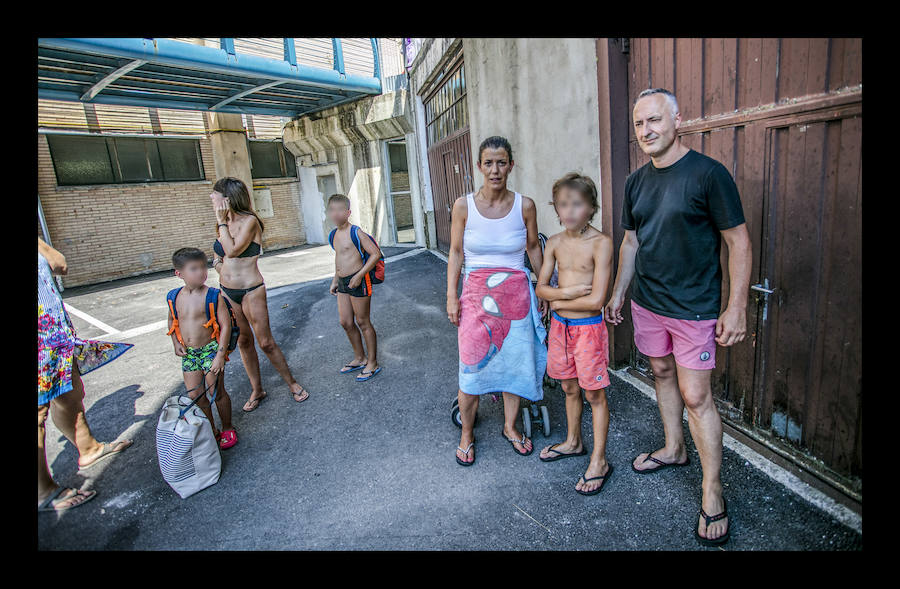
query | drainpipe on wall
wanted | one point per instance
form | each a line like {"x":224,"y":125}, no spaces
{"x":46,"y":233}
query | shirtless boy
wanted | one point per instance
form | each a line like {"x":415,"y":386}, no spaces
{"x":353,"y":288}
{"x":578,"y":341}
{"x":196,"y":343}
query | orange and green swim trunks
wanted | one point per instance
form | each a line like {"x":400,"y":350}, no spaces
{"x":579,"y":348}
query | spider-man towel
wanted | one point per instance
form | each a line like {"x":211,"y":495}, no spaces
{"x":500,"y":335}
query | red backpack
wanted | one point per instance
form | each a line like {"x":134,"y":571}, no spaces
{"x":376,"y":274}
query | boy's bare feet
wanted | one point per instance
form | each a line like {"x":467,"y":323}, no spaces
{"x":254,"y":401}
{"x":595,"y":469}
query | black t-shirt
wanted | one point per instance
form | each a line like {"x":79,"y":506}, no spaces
{"x":677,"y":213}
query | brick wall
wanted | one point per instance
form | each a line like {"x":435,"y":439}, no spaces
{"x":117,"y":230}
{"x":285,"y":229}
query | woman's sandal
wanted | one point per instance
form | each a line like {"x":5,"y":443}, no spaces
{"x":597,"y":490}
{"x":661,"y":464}
{"x":710,"y":519}
{"x":109,"y":448}
{"x":466,"y":452}
{"x":47,"y":504}
{"x":513,"y":443}
{"x":254,"y":403}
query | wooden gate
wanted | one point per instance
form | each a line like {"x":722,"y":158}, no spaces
{"x":784,"y":116}
{"x":451,"y":177}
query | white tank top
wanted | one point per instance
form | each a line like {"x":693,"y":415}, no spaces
{"x":495,"y":242}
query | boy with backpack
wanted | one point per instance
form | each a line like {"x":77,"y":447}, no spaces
{"x":203,"y":332}
{"x":358,"y":264}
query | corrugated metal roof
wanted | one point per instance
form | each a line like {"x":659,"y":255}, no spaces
{"x":256,"y":78}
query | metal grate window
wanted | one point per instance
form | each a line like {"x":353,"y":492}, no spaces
{"x":81,"y":160}
{"x":445,"y":111}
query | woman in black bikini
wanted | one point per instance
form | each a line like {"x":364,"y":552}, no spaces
{"x":237,"y":248}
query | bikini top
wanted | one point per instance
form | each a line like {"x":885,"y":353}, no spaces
{"x":252,"y":250}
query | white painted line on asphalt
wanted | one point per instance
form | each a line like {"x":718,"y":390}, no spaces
{"x":143,"y":329}
{"x":842,"y":513}
{"x":293,"y":254}
{"x":440,"y":256}
{"x":93,"y":321}
{"x":278,"y":290}
{"x":414,"y":252}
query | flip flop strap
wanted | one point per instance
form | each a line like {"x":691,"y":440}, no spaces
{"x":467,"y":450}
{"x":656,"y":460}
{"x":522,"y":441}
{"x":713,"y":518}
{"x":595,"y":478}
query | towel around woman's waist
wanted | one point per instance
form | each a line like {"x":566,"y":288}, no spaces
{"x":501,"y":335}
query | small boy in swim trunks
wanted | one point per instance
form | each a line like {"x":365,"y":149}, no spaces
{"x":578,"y":346}
{"x":200,"y":348}
{"x":353,"y":288}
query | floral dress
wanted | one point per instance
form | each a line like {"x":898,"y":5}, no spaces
{"x":58,"y":345}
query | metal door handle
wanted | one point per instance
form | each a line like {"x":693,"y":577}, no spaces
{"x":760,"y":288}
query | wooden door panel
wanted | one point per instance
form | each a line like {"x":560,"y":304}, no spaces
{"x":810,"y":390}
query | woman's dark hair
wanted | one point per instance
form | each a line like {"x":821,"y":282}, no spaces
{"x":238,"y":197}
{"x":496,"y":142}
{"x":185,"y":255}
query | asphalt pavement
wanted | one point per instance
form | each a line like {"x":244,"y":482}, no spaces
{"x":370,"y":466}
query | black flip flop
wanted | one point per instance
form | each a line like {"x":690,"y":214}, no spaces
{"x":514,"y":442}
{"x":466,"y":452}
{"x":661,"y":464}
{"x":598,"y":489}
{"x":714,"y":518}
{"x":562,"y":455}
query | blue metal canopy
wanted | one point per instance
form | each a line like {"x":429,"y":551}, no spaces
{"x":165,"y":73}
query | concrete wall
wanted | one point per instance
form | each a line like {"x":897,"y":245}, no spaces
{"x":351,"y":136}
{"x":541,"y":94}
{"x":111,"y":231}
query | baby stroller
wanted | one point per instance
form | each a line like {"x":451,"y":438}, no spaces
{"x":533,"y":413}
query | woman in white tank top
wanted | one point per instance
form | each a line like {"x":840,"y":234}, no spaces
{"x":499,"y":318}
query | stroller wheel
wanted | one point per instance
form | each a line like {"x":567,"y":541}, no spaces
{"x":545,"y":417}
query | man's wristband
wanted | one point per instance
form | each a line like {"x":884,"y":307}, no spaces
{"x":221,"y":225}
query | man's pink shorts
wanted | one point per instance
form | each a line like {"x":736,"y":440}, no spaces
{"x":692,"y":342}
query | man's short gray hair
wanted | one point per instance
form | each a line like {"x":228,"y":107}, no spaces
{"x":673,"y":102}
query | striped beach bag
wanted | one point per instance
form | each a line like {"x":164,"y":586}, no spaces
{"x":187,"y":450}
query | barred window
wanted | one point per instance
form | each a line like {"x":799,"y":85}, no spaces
{"x":445,"y":111}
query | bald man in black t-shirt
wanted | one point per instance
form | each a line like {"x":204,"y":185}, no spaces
{"x":675,"y":210}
